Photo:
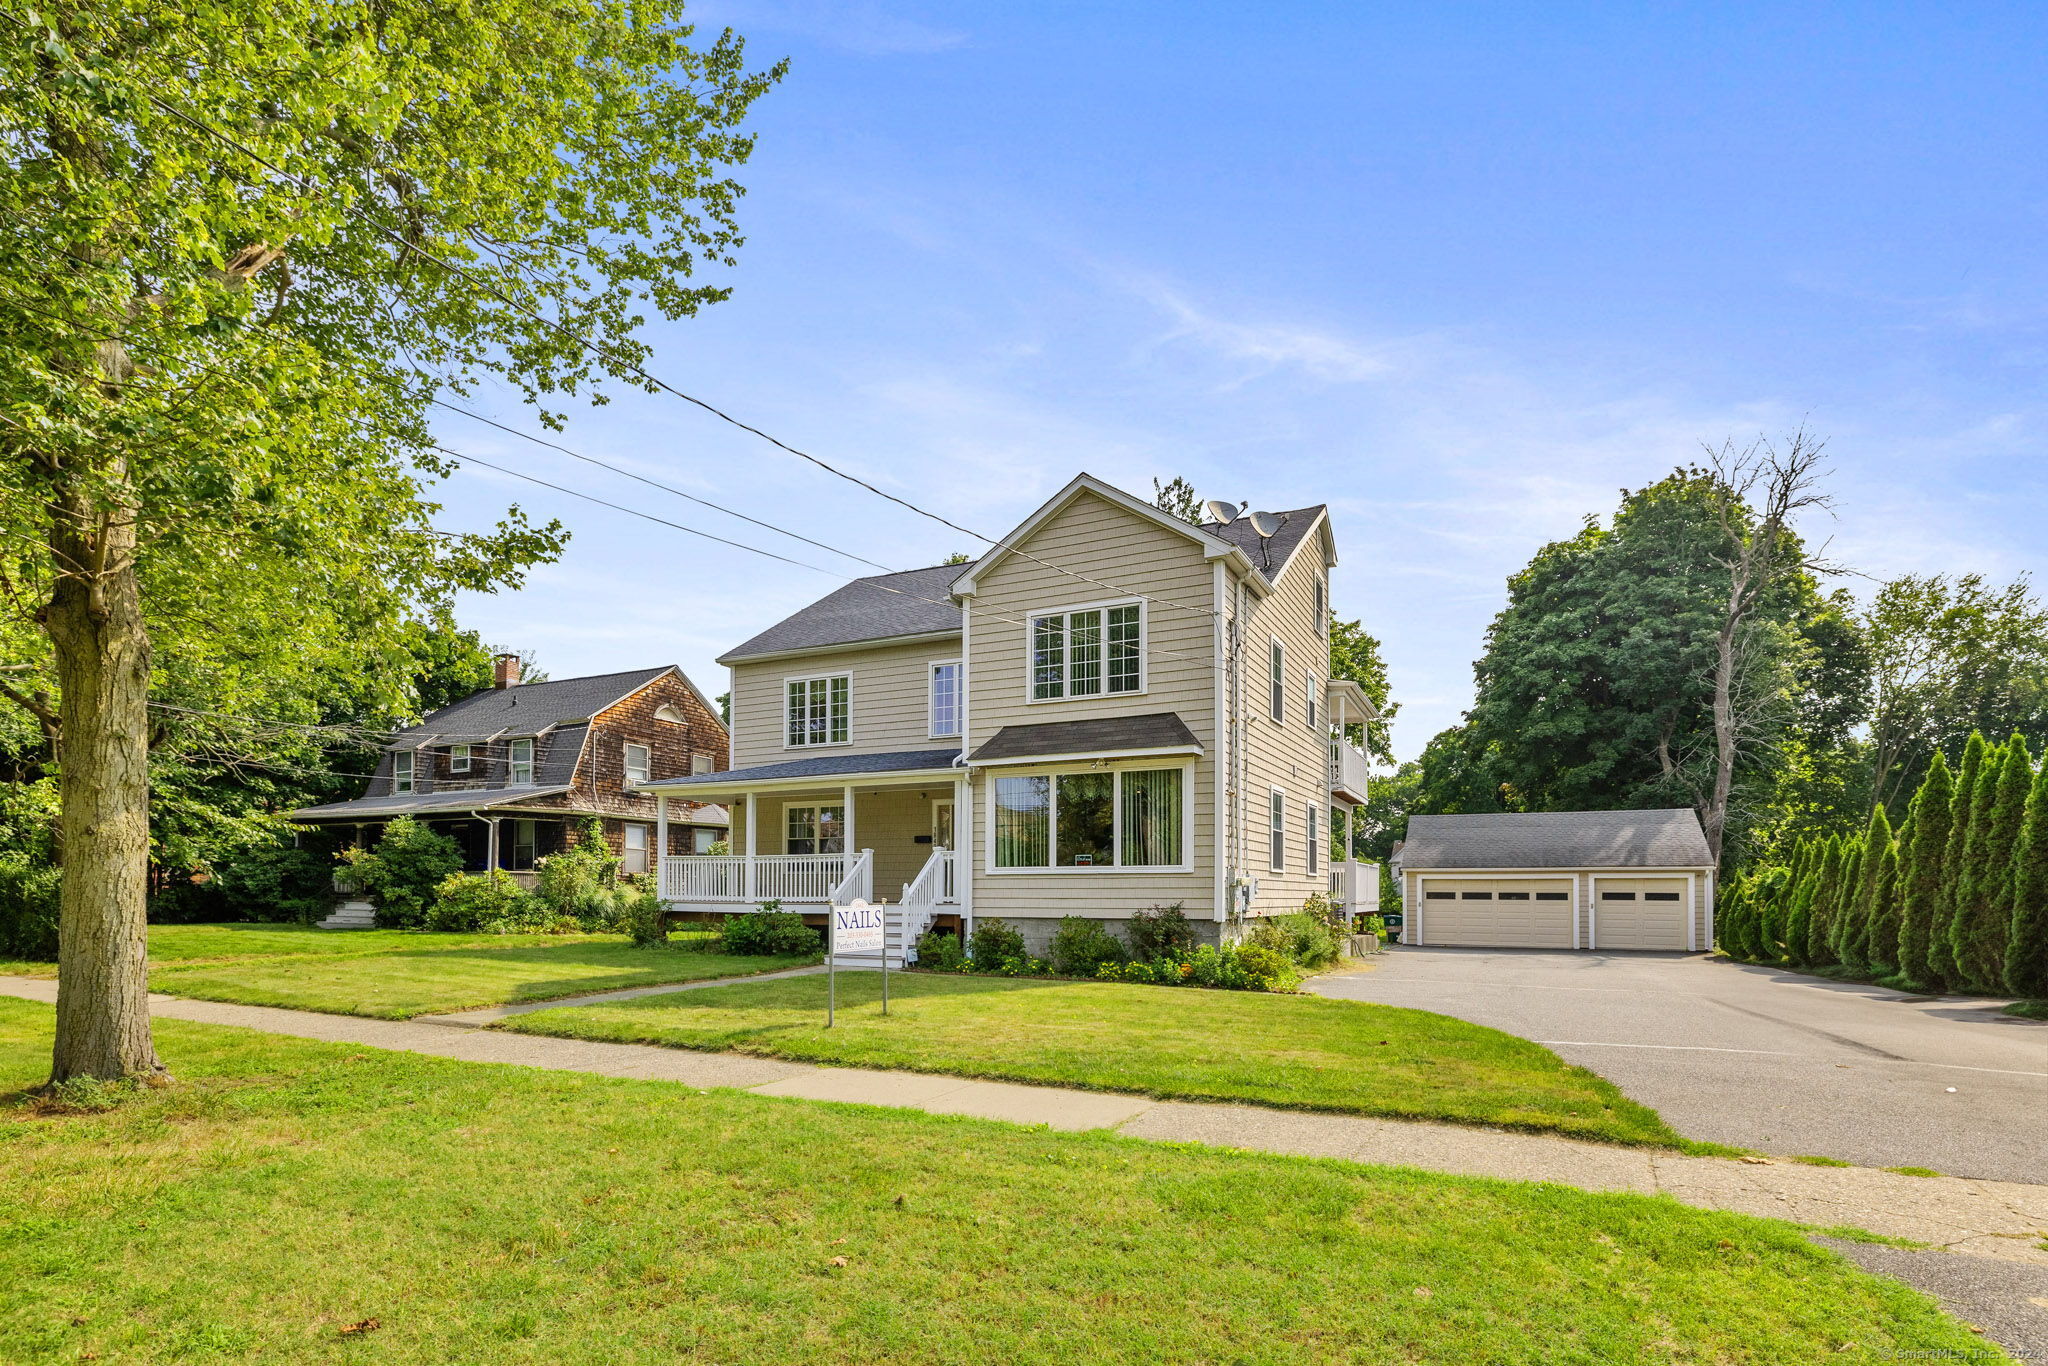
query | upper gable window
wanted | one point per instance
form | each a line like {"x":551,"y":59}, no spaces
{"x":946,"y":698}
{"x":1322,"y":603}
{"x":1276,"y":664}
{"x":817,"y":711}
{"x":666,"y":712}
{"x":1087,"y":651}
{"x":701,"y":762}
{"x":637,"y":760}
{"x":519,"y":762}
{"x":401,"y":772}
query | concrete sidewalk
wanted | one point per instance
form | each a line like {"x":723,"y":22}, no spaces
{"x":1999,"y":1219}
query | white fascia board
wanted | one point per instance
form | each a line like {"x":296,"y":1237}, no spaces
{"x":771,"y":656}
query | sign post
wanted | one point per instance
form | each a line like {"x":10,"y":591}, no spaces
{"x":853,"y":928}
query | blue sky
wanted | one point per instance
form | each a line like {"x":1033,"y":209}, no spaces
{"x":1460,"y":271}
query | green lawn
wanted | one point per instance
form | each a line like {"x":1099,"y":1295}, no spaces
{"x":284,"y":1191}
{"x":397,"y":974}
{"x":1304,"y":1052}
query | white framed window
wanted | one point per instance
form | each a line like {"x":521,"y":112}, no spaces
{"x":1315,"y":839}
{"x":401,"y":771}
{"x":1276,"y":665}
{"x":945,"y":697}
{"x":815,"y":829}
{"x":1322,"y":602}
{"x":1086,"y":651}
{"x":702,"y":837}
{"x":524,"y":846}
{"x":1311,"y":696}
{"x":519,"y":763}
{"x":633,"y":852}
{"x":637,"y":760}
{"x":1091,"y":818}
{"x":1276,"y":820}
{"x":458,"y":758}
{"x":817,"y":711}
{"x":701,"y":762}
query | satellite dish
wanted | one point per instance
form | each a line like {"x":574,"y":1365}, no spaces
{"x":1266,"y":523}
{"x":1220,"y":511}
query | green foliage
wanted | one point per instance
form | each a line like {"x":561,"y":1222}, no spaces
{"x":2026,"y":948}
{"x":1972,"y":791}
{"x":491,"y":903}
{"x":993,"y":943}
{"x":1356,"y":655}
{"x":1983,"y":913}
{"x":1160,"y":932}
{"x":1234,"y":967}
{"x":278,"y":882}
{"x":1080,"y":946}
{"x":582,"y":881}
{"x":1297,"y":937}
{"x":644,"y":917}
{"x":938,"y":951}
{"x":1177,"y":497}
{"x":1923,"y":872}
{"x":28,"y":909}
{"x":1372,"y":924}
{"x":1390,"y":891}
{"x":402,"y":873}
{"x":1595,"y":692}
{"x":771,"y":930}
{"x":1853,"y":931}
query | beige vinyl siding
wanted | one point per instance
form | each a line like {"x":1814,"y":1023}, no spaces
{"x":890,"y":701}
{"x":1112,"y":545}
{"x":1287,"y":754}
{"x":886,"y":820}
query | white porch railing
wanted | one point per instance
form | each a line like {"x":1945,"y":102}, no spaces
{"x":1355,"y":886}
{"x":1349,"y":769}
{"x":765,"y":877}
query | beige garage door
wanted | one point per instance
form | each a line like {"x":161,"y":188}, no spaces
{"x":1639,"y":913}
{"x":1501,"y":913}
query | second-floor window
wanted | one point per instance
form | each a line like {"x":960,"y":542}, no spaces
{"x":636,"y":763}
{"x":1087,"y":651}
{"x":1322,"y":603}
{"x":1277,"y":853}
{"x":401,"y":772}
{"x":946,"y":698}
{"x":701,"y":762}
{"x":1315,"y":838}
{"x":458,"y":758}
{"x":1309,"y":694}
{"x":519,"y":762}
{"x":1276,"y":705}
{"x":817,"y":711}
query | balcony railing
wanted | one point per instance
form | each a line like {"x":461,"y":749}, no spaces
{"x":765,"y":877}
{"x":1348,"y":770}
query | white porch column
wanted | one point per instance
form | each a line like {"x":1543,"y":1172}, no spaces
{"x":846,"y":825}
{"x":491,"y":844}
{"x":963,"y":851}
{"x":752,"y":824}
{"x":660,"y":835}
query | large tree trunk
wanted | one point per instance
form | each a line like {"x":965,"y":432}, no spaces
{"x":1715,"y":817}
{"x":94,"y":620}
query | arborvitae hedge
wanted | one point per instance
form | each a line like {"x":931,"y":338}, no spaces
{"x":2026,"y":946}
{"x":1970,"y":795}
{"x":1922,"y":866}
{"x":1983,"y":915}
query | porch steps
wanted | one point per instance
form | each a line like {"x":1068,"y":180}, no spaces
{"x":352,"y":914}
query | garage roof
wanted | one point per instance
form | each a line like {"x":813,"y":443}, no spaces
{"x":1558,"y":839}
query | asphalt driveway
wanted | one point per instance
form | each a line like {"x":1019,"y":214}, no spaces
{"x":1757,"y":1057}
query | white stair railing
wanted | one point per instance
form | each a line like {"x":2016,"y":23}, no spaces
{"x":922,"y":896}
{"x":859,"y":882}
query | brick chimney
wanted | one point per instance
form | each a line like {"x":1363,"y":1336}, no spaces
{"x":505,"y":669}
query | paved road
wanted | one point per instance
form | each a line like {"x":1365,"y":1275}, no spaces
{"x":1757,"y":1057}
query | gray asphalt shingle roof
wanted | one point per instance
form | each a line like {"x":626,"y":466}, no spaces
{"x":1106,"y":735}
{"x":1558,"y":839}
{"x":417,"y":803}
{"x":817,"y":766}
{"x":527,"y":709}
{"x":1269,"y":556}
{"x":914,"y":602}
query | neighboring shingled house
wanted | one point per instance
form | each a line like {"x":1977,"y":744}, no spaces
{"x":1558,"y":880}
{"x":514,"y":771}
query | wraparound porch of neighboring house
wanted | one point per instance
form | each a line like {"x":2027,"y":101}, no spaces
{"x":809,"y":846}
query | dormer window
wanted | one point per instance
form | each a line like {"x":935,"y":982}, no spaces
{"x":458,"y":758}
{"x":637,"y":760}
{"x":401,"y":771}
{"x":1087,"y":651}
{"x":519,"y":763}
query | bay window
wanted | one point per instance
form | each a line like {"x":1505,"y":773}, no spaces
{"x":1092,"y":818}
{"x":817,"y":710}
{"x":1087,"y":652}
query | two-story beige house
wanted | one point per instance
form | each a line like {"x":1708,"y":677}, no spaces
{"x":1111,"y":710}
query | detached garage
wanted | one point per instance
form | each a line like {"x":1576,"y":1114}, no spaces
{"x":1558,"y":880}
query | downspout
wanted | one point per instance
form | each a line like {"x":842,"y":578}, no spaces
{"x":491,"y":842}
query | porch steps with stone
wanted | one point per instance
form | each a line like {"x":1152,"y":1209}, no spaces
{"x":353,"y":914}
